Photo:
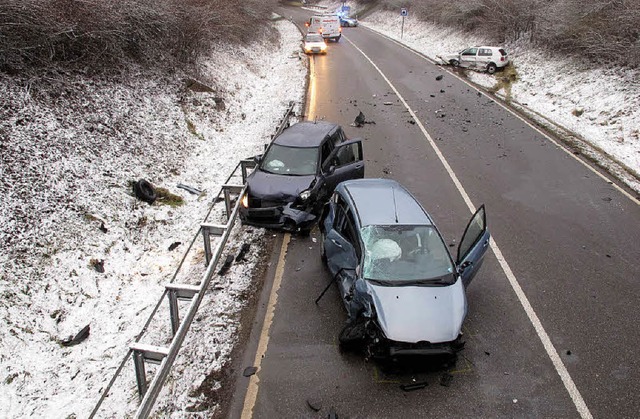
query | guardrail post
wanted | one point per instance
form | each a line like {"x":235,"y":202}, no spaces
{"x":209,"y":230}
{"x":182,"y":292}
{"x":228,"y":190}
{"x":244,"y":165}
{"x":141,"y":374}
{"x":145,"y":353}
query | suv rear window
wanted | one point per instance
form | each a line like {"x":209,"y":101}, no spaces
{"x":502,"y":52}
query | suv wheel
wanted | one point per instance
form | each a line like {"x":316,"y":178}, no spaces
{"x":454,"y":63}
{"x":491,"y":68}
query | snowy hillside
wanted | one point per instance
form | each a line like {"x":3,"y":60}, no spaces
{"x":79,"y":249}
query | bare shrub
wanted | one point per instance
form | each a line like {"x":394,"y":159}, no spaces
{"x":108,"y":32}
{"x":604,"y":31}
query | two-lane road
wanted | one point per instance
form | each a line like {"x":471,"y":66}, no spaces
{"x":553,"y":314}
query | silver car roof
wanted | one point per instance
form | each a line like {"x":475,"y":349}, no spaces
{"x":383,"y":202}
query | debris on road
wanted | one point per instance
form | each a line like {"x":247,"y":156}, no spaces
{"x":361,"y":120}
{"x":414,"y":386}
{"x":173,"y":245}
{"x":445,"y":379}
{"x":314,"y":404}
{"x":249,"y":371}
{"x":439,"y":77}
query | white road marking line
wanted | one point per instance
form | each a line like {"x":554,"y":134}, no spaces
{"x":512,"y":112}
{"x":575,"y":395}
{"x":252,"y":390}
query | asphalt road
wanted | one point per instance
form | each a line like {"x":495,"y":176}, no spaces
{"x":568,"y":238}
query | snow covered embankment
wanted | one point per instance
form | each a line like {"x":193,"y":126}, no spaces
{"x":78,"y":249}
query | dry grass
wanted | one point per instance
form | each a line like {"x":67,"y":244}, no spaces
{"x":107,"y":33}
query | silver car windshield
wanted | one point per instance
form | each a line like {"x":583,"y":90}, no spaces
{"x":405,"y":254}
{"x":295,"y":161}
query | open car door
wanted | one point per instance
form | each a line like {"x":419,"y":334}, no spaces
{"x":473,"y":246}
{"x":344,"y":163}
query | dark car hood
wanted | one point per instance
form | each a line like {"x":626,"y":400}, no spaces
{"x":263,"y":185}
{"x":420,"y":313}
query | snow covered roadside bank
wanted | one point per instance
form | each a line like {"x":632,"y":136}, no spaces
{"x":70,"y":146}
{"x":602,"y":106}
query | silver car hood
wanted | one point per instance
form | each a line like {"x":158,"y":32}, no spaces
{"x":419,"y":313}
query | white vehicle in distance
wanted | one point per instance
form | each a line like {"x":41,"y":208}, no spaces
{"x":313,"y":43}
{"x":327,"y":25}
{"x":481,"y":58}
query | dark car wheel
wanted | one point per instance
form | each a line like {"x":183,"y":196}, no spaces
{"x":353,"y":335}
{"x":144,"y":191}
{"x":491,"y":68}
{"x":454,"y":63}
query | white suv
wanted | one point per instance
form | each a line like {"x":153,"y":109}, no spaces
{"x":479,"y":58}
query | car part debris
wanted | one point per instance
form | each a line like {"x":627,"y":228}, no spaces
{"x":243,"y":251}
{"x":144,"y":191}
{"x":414,"y":386}
{"x":314,"y":405}
{"x":439,"y":77}
{"x":78,"y":338}
{"x":189,"y":189}
{"x":445,"y":379}
{"x":174,"y":245}
{"x":98,"y":265}
{"x":360,"y":120}
{"x":249,"y":371}
{"x":226,"y":265}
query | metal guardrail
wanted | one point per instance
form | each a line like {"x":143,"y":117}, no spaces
{"x":165,"y":356}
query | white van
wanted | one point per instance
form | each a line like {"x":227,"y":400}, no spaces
{"x":327,"y":25}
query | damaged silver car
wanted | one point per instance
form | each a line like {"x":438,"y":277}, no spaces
{"x":298,"y":173}
{"x":403,"y":291}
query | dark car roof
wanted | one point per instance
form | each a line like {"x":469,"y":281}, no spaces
{"x":384,"y":202}
{"x":305,"y":134}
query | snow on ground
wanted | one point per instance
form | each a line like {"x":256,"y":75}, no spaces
{"x":601,"y":105}
{"x":71,"y":144}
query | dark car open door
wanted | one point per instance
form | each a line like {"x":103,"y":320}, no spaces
{"x":473,"y":246}
{"x":345,"y":162}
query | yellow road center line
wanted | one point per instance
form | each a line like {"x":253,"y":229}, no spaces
{"x":252,"y":390}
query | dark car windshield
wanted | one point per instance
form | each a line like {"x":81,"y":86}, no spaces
{"x":294,"y":161}
{"x":313,"y":37}
{"x":406,"y":254}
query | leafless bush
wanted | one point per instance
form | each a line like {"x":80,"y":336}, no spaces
{"x":106,"y":32}
{"x":604,"y":31}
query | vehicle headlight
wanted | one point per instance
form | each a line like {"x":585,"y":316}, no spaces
{"x":323,"y":47}
{"x":245,"y":201}
{"x":304,"y":195}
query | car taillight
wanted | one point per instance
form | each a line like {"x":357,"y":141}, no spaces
{"x":501,"y":58}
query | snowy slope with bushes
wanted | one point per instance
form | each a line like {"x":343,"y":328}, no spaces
{"x":77,"y":247}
